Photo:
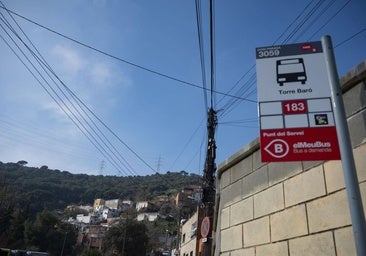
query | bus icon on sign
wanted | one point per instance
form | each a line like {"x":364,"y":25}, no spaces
{"x":290,"y":70}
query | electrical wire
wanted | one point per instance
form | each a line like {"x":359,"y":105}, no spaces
{"x":81,"y":110}
{"x":251,"y":81}
{"x":350,"y":38}
{"x":305,"y":19}
{"x":187,"y":143}
{"x":307,"y":12}
{"x":323,"y":11}
{"x":115,"y":57}
{"x":55,"y":96}
{"x":37,"y":135}
{"x":212,"y":50}
{"x":202,"y":54}
{"x":329,"y":20}
{"x":293,"y":22}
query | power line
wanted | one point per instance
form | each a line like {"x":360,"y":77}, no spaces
{"x":330,"y":19}
{"x":212,"y":49}
{"x":118,"y":58}
{"x":57,"y":98}
{"x":303,"y":21}
{"x":350,"y":38}
{"x":293,"y":22}
{"x":201,"y":50}
{"x":187,"y":143}
{"x":294,"y":31}
{"x":325,"y":9}
{"x":82,"y":120}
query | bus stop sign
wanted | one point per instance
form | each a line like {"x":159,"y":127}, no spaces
{"x":294,"y":102}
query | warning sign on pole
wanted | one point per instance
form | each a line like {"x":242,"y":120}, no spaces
{"x":205,"y":227}
{"x":294,"y":101}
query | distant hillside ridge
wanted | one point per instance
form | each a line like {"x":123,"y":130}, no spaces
{"x":43,"y":188}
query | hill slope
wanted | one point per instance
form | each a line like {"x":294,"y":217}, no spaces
{"x":42,"y":188}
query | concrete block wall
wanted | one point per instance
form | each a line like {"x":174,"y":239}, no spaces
{"x":293,"y":208}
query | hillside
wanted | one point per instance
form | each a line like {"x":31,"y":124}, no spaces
{"x":42,"y":188}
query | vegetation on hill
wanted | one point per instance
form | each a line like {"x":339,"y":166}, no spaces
{"x":28,"y":195}
{"x":42,"y":188}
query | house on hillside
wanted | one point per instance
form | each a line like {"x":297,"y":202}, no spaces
{"x":189,"y":236}
{"x":147,"y":216}
{"x":126,"y":204}
{"x":147,"y":211}
{"x":188,"y":195}
{"x":187,"y":200}
{"x":110,"y":213}
{"x":79,"y":208}
{"x":87,"y":208}
{"x":92,"y":237}
{"x":115,"y":204}
{"x":87,"y":219}
{"x":145,"y":206}
{"x":98,"y":204}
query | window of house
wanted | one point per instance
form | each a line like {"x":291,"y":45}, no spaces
{"x":184,"y":238}
{"x":194,"y":229}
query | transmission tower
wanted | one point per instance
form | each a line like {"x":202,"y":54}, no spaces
{"x":101,"y":167}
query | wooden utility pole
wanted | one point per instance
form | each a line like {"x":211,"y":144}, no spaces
{"x":208,"y":193}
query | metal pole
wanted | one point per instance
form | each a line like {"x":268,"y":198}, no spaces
{"x":63,"y":245}
{"x":348,"y":163}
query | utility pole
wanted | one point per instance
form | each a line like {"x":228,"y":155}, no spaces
{"x":208,"y":190}
{"x":101,"y":167}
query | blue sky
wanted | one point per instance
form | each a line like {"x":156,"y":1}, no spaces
{"x":160,"y":119}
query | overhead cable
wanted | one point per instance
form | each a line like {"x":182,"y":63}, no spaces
{"x":350,"y":38}
{"x":115,"y":57}
{"x":212,"y":50}
{"x":295,"y":31}
{"x":68,"y":109}
{"x":329,"y":20}
{"x":77,"y":113}
{"x":201,"y":50}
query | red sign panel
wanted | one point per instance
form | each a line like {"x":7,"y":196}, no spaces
{"x":305,"y":144}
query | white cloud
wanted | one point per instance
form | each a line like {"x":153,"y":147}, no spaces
{"x":70,"y":60}
{"x":101,"y":74}
{"x":106,"y":75}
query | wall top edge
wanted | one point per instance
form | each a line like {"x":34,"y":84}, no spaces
{"x":354,"y":76}
{"x":242,"y":153}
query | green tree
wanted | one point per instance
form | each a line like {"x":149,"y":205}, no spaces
{"x":90,"y":252}
{"x":129,"y":238}
{"x":15,"y":234}
{"x":169,"y":209}
{"x":22,"y":163}
{"x":47,"y":233}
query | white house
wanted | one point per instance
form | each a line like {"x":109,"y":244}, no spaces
{"x":86,"y":219}
{"x":110,"y":213}
{"x":149,"y":216}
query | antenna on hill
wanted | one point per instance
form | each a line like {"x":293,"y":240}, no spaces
{"x":101,"y":167}
{"x":158,"y":163}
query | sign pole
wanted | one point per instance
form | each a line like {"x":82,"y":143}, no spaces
{"x":348,"y":164}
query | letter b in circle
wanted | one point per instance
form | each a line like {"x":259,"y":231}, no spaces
{"x":277,"y":148}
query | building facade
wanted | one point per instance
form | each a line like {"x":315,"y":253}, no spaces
{"x":188,"y":240}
